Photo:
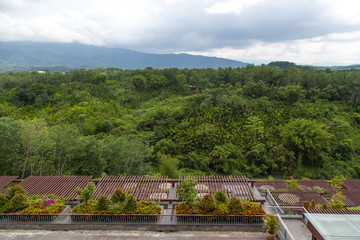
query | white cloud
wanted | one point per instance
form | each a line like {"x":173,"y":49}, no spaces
{"x":325,"y":51}
{"x":232,"y":6}
{"x":305,"y":31}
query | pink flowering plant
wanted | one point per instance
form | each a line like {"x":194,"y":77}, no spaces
{"x":47,"y":201}
{"x":45,"y":204}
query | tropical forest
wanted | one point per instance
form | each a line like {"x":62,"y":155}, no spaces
{"x":257,"y":121}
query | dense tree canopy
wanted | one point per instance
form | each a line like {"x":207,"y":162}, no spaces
{"x":258,"y":121}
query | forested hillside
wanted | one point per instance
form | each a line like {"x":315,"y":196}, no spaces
{"x":257,"y":121}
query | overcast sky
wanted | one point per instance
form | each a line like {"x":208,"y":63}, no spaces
{"x":321,"y":32}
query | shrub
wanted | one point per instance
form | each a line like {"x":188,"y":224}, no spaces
{"x":292,"y":184}
{"x":271,"y":223}
{"x":144,"y":207}
{"x":88,"y":208}
{"x":318,"y":189}
{"x":130,"y":204}
{"x":4,"y":203}
{"x":15,"y":189}
{"x":337,"y":201}
{"x":222,"y":209}
{"x":102,"y":203}
{"x":251,"y":208}
{"x":313,"y":204}
{"x":337,"y":182}
{"x":187,"y":191}
{"x":47,"y":206}
{"x":220,"y":197}
{"x":208,"y":204}
{"x":3,"y":199}
{"x":87,"y":193}
{"x":235,"y":206}
{"x":307,"y":205}
{"x":18,"y":202}
{"x":119,"y":196}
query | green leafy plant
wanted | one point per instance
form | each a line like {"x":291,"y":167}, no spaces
{"x":292,"y":184}
{"x":271,"y":223}
{"x":130,"y":204}
{"x":14,"y":190}
{"x":103,"y":203}
{"x":318,"y":189}
{"x":235,"y":206}
{"x":337,"y":182}
{"x":87,"y":193}
{"x":187,"y":191}
{"x":354,"y":208}
{"x":118,"y":196}
{"x":220,"y":197}
{"x":18,"y":202}
{"x":337,"y":201}
{"x":208,"y":204}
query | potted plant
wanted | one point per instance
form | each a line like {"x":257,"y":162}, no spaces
{"x":272,"y":225}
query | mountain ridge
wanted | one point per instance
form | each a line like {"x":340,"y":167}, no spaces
{"x":33,"y":54}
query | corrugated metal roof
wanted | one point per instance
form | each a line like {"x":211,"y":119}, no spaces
{"x":61,"y":186}
{"x":335,"y":226}
{"x":352,"y":184}
{"x":149,"y":188}
{"x":296,"y":197}
{"x":333,"y":211}
{"x":232,"y":186}
{"x":4,"y":181}
{"x":278,"y":184}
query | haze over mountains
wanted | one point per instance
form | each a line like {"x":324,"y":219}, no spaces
{"x":69,"y":55}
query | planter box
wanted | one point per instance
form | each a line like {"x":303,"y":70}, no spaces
{"x":126,"y":218}
{"x":30,"y":218}
{"x":212,"y":219}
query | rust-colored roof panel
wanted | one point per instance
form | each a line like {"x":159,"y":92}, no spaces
{"x":296,"y":197}
{"x":333,"y":211}
{"x":352,"y":184}
{"x":61,"y":186}
{"x":273,"y":184}
{"x":232,"y":186}
{"x":4,"y":181}
{"x":151,"y":188}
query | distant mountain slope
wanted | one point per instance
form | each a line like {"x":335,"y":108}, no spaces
{"x":28,"y":54}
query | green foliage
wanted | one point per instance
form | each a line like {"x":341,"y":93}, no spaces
{"x":130,"y":204}
{"x":354,"y":208}
{"x":292,"y":184}
{"x":337,"y":182}
{"x":207,"y":203}
{"x":308,"y":139}
{"x":118,"y":196}
{"x":102,"y":203}
{"x":318,"y":189}
{"x":18,"y":202}
{"x":3,"y":200}
{"x":144,"y":207}
{"x":292,"y":93}
{"x":43,"y":205}
{"x":235,"y":206}
{"x":220,"y":197}
{"x":169,"y":166}
{"x":16,"y":189}
{"x":337,"y":201}
{"x":279,"y":120}
{"x":187,"y":191}
{"x":87,"y":193}
{"x":271,"y":223}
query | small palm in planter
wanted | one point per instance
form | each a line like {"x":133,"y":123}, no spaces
{"x":271,"y":224}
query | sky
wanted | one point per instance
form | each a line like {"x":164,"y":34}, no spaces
{"x":317,"y":32}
